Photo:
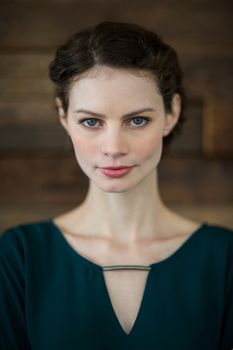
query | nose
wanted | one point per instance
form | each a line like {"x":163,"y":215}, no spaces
{"x":114,"y":143}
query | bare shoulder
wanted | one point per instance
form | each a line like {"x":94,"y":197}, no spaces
{"x":70,"y":222}
{"x":178,"y":226}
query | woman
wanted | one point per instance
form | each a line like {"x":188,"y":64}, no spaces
{"x":120,"y":271}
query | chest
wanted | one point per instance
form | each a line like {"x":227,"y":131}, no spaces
{"x":168,"y":307}
{"x":126,"y":290}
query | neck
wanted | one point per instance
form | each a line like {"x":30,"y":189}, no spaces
{"x":128,"y":217}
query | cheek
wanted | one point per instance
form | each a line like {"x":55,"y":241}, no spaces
{"x":151,"y":147}
{"x":82,"y":148}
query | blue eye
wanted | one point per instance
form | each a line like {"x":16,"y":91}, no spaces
{"x":138,"y":121}
{"x":91,"y":123}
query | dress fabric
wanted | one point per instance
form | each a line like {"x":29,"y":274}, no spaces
{"x":53,"y":298}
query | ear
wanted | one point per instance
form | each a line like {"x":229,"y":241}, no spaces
{"x":61,"y":113}
{"x":173,"y":116}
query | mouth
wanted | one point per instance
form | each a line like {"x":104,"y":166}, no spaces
{"x":116,"y":171}
{"x":117,"y":167}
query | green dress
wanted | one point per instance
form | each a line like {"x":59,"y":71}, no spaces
{"x":53,"y":298}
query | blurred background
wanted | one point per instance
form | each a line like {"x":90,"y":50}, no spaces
{"x":39,"y":175}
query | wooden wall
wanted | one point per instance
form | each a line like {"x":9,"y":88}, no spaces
{"x":39,"y":175}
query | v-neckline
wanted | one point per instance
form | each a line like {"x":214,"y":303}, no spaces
{"x":140,"y":309}
{"x":153,"y":266}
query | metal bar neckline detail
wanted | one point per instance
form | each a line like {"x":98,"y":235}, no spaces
{"x":126,"y":267}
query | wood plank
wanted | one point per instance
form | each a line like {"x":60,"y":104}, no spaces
{"x":12,"y":214}
{"x":201,"y":25}
{"x":208,"y":76}
{"x":23,"y":65}
{"x":192,"y":4}
{"x":47,"y":179}
{"x":211,"y":214}
{"x":33,"y":138}
{"x":218,"y":128}
{"x":189,"y":141}
{"x":196,"y":180}
{"x":24,"y":90}
{"x":58,"y":179}
{"x":27,"y":113}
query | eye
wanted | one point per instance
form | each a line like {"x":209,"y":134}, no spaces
{"x":91,"y":122}
{"x":138,"y":121}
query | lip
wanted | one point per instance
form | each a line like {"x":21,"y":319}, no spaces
{"x":117,"y":167}
{"x":116,"y":171}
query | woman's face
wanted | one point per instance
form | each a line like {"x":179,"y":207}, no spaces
{"x":116,"y":117}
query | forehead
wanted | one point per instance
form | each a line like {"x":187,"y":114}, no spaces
{"x":106,"y":72}
{"x":104,"y":81}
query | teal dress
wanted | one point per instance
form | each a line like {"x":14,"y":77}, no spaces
{"x":53,"y":298}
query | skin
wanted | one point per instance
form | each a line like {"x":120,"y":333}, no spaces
{"x":126,"y":210}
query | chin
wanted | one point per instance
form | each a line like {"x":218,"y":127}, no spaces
{"x":116,"y":191}
{"x":120,"y":185}
{"x":117,"y":188}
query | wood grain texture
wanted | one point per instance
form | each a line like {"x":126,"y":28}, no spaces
{"x":40,"y":22}
{"x":218,"y":127}
{"x":196,"y":180}
{"x":208,"y":76}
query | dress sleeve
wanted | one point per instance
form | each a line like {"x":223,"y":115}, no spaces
{"x":13,"y":334}
{"x":227,"y":330}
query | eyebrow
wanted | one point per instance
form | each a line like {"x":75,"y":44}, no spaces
{"x":148,"y":109}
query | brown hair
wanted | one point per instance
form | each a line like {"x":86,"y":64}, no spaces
{"x":120,"y":45}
